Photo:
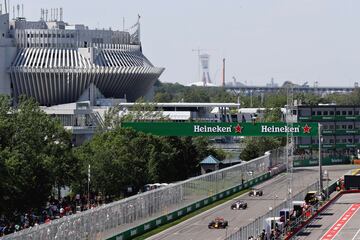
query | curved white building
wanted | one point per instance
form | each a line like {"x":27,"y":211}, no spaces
{"x":56,"y":63}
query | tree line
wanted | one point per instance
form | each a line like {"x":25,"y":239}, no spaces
{"x":37,"y":158}
{"x":175,"y":92}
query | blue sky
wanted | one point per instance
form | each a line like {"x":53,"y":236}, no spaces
{"x":296,"y":40}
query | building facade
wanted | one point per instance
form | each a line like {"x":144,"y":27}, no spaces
{"x":340,"y":133}
{"x":56,"y":62}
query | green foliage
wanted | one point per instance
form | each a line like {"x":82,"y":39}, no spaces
{"x":35,"y":156}
{"x":273,"y":115}
{"x":257,"y":146}
{"x":124,"y":157}
{"x":352,"y":98}
{"x":169,"y":92}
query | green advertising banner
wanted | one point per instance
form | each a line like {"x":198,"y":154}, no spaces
{"x":224,"y":129}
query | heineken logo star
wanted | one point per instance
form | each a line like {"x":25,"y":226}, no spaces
{"x":238,"y":129}
{"x":306,"y":129}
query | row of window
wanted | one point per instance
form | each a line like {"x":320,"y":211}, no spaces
{"x":49,"y":35}
{"x":338,"y":112}
{"x":46,"y":45}
{"x":342,"y":140}
{"x":340,"y":127}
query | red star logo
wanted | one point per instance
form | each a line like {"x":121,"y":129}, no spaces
{"x":238,"y":129}
{"x":306,"y":129}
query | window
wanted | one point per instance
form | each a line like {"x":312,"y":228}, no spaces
{"x":331,"y":141}
{"x":318,"y":113}
{"x":313,"y":113}
{"x":331,"y":112}
{"x":343,"y":126}
{"x":350,"y":126}
{"x":356,"y":112}
{"x":331,"y":127}
{"x":350,"y":112}
{"x":350,"y":140}
{"x":337,"y":112}
{"x":343,"y":140}
{"x":325,"y":113}
{"x":343,"y":113}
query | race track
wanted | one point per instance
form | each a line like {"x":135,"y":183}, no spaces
{"x":196,"y":228}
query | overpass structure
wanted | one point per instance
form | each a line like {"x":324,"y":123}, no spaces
{"x":302,"y":89}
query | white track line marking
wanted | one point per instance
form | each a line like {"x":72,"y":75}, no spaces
{"x":358,"y":231}
{"x":341,"y":222}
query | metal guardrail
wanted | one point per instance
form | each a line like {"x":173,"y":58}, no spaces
{"x":111,"y":219}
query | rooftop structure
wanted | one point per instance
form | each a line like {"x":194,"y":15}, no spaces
{"x":56,"y":62}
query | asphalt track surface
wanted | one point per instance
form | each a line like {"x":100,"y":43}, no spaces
{"x":340,"y":221}
{"x":196,"y":228}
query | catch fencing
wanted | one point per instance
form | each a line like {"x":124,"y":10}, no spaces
{"x":255,"y":228}
{"x":111,"y":219}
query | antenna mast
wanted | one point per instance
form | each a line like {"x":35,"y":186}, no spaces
{"x":61,"y":14}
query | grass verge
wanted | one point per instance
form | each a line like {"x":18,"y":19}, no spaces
{"x":188,"y":216}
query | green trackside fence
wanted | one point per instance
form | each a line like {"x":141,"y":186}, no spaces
{"x":308,"y":162}
{"x":137,"y":231}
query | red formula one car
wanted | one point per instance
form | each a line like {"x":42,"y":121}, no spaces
{"x":218,"y":223}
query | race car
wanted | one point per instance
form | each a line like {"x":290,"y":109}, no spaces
{"x":255,"y":192}
{"x":218,"y":223}
{"x":238,"y":205}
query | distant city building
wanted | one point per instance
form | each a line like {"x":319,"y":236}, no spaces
{"x":57,"y":63}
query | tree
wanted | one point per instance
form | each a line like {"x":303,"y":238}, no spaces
{"x":35,"y":155}
{"x":124,"y":157}
{"x":257,"y":146}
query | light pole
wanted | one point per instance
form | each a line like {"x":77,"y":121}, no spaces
{"x":275,"y":198}
{"x":320,"y":164}
{"x":88,"y":200}
{"x":326,"y":174}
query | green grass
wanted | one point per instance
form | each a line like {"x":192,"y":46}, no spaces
{"x":188,"y":216}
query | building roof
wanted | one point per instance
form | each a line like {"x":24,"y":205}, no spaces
{"x":210,"y":160}
{"x":231,"y":161}
{"x":183,"y":104}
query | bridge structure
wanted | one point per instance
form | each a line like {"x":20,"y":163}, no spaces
{"x":302,"y":89}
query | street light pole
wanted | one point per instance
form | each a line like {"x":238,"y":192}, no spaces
{"x":88,"y":186}
{"x":320,"y":164}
